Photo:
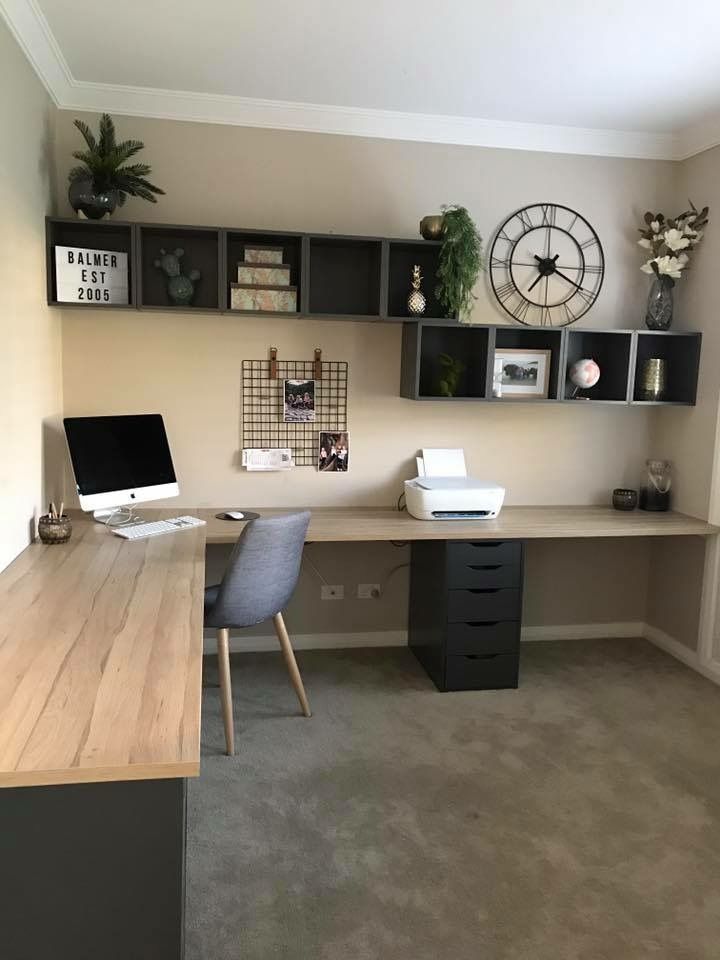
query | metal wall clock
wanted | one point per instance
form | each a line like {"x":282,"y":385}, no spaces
{"x":546,"y":265}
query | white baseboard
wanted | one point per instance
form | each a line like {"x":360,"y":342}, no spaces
{"x":259,"y":643}
{"x":249,"y":643}
{"x":241,"y":642}
{"x":584,"y":631}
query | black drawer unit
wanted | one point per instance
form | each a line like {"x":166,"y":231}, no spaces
{"x":465,"y":612}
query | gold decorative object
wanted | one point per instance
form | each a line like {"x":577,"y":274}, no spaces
{"x":431,"y":227}
{"x":653,"y":379}
{"x":416,"y":299}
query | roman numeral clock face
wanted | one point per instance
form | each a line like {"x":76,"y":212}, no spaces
{"x":546,"y":265}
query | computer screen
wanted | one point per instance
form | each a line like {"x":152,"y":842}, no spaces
{"x":119,"y":453}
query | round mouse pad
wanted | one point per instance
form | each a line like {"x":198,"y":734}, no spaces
{"x":246,"y":515}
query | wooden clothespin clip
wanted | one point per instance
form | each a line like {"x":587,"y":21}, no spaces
{"x":318,"y":364}
{"x":273,"y":363}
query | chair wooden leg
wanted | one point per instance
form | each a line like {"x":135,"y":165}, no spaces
{"x":291,"y":662}
{"x":223,"y":652}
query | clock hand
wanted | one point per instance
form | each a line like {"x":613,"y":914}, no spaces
{"x":537,"y":279}
{"x":579,"y":286}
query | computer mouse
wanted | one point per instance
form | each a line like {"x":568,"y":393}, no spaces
{"x":233,"y":515}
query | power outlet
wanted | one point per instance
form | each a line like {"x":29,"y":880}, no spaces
{"x":368,"y":591}
{"x":335,"y":591}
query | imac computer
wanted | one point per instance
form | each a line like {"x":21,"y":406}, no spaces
{"x":120,"y":461}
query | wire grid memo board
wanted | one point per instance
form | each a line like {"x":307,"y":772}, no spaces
{"x":263,"y":406}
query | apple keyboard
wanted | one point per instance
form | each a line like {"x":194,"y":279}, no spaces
{"x":155,"y":528}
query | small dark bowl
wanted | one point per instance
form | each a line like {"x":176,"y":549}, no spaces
{"x":624,"y":499}
{"x":51,"y":530}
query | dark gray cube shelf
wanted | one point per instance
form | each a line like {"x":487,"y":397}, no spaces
{"x":115,"y":235}
{"x":526,"y":338}
{"x":421,"y":371}
{"x":403,"y":255}
{"x":612,"y":351}
{"x":681,"y":352}
{"x":344,"y":276}
{"x":202,"y":251}
{"x":235,"y":241}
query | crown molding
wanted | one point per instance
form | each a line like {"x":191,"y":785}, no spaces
{"x":29,"y":27}
{"x":359,"y":122}
{"x":699,"y":137}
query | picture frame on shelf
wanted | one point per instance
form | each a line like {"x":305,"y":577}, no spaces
{"x":521,"y":374}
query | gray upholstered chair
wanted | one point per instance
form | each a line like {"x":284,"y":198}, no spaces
{"x":258,"y":582}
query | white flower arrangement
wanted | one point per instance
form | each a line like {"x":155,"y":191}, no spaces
{"x":671,"y":241}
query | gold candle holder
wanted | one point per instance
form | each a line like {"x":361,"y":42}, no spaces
{"x":653,"y":379}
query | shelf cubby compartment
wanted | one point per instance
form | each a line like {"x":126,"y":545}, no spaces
{"x":527,"y":338}
{"x":345,"y":276}
{"x":681,"y":352}
{"x":424,"y":341}
{"x":612,"y":351}
{"x":403,"y":256}
{"x":235,"y":243}
{"x":202,"y":251}
{"x":116,"y":236}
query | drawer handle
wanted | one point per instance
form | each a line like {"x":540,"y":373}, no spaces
{"x":482,"y":623}
{"x":481,"y":656}
{"x":485,"y":546}
{"x":485,"y":566}
{"x":485,"y":590}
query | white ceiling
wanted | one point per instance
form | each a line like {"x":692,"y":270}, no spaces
{"x":592,"y":76}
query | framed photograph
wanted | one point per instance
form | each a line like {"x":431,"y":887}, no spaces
{"x":299,"y":401}
{"x":334,"y":452}
{"x":521,"y":374}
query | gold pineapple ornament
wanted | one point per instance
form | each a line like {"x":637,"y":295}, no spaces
{"x":416,"y":298}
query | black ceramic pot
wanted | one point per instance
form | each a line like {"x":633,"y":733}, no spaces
{"x":94,"y":204}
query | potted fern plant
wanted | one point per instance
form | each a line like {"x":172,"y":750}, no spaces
{"x":460,"y":262}
{"x":104,"y":179}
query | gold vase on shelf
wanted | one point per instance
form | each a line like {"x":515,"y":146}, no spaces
{"x":653,"y":379}
{"x":431,"y":227}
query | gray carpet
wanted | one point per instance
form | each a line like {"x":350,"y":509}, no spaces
{"x":577,"y":818}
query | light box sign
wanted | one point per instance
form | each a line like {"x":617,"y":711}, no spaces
{"x":91,"y":276}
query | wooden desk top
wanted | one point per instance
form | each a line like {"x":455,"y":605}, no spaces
{"x":101,"y":639}
{"x":101,"y":659}
{"x":521,"y":523}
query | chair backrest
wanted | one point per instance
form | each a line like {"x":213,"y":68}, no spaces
{"x":263,"y":570}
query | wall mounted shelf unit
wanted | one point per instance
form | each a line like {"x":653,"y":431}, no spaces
{"x":337,"y":277}
{"x":619,"y":353}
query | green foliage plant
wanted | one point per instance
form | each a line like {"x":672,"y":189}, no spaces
{"x":450,"y":373}
{"x":461,"y":260}
{"x":104,"y":162}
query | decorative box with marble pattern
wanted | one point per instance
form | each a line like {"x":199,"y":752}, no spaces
{"x":263,"y":254}
{"x":269,"y":275}
{"x":262,"y":298}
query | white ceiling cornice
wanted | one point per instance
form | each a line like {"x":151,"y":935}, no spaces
{"x":30,"y":29}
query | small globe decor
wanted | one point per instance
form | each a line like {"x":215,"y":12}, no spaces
{"x":583,"y":374}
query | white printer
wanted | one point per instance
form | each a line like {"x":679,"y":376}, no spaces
{"x":443,"y":491}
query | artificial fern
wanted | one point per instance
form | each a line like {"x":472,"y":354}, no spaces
{"x":460,"y":262}
{"x":102,"y":163}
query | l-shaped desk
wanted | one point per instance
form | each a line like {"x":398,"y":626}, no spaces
{"x":100,"y":690}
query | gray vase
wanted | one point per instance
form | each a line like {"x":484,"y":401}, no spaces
{"x":659,"y":313}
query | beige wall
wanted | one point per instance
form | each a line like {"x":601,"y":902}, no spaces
{"x":30,"y":368}
{"x":189,"y":366}
{"x":687,"y":436}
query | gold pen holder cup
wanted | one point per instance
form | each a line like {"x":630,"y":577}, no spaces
{"x":54,"y":530}
{"x":653,"y":379}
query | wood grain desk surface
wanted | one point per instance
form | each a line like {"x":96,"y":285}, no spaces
{"x":523,"y":523}
{"x":101,"y":659}
{"x":101,"y":639}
